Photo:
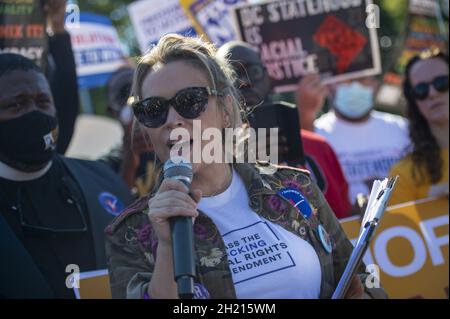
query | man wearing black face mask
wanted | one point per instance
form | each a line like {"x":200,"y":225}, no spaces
{"x":52,"y":209}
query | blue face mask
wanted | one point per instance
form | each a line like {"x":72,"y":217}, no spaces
{"x":353,"y":100}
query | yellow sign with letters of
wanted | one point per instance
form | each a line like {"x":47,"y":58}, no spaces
{"x":410,"y":248}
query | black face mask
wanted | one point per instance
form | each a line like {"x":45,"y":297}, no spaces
{"x":28,"y":142}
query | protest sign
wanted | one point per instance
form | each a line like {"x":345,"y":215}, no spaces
{"x":410,"y":248}
{"x":212,"y":18}
{"x":422,"y":32}
{"x":23,"y":30}
{"x":97,"y":49}
{"x":337,"y":39}
{"x":152,"y":19}
{"x":93,"y":285}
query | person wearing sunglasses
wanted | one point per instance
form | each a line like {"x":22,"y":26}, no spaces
{"x":53,"y":210}
{"x":250,"y":241}
{"x":424,"y":172}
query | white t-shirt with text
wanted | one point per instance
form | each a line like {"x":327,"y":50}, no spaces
{"x":366,"y":151}
{"x":266,"y":261}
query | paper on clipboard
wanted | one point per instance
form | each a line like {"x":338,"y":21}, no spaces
{"x":377,"y":187}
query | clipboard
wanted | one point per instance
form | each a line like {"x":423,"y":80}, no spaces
{"x":379,"y":197}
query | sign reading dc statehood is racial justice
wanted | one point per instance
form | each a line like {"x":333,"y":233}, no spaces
{"x":300,"y":37}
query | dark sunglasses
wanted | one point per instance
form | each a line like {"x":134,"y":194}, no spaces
{"x":189,"y":103}
{"x":422,"y":90}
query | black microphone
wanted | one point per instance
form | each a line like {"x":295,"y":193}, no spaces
{"x":182,"y":232}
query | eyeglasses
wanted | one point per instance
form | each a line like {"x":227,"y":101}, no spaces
{"x":421,"y":91}
{"x":44,"y":229}
{"x":189,"y":103}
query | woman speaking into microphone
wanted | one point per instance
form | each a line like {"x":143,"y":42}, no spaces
{"x":255,"y":235}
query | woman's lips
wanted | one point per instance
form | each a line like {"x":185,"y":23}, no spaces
{"x":170,"y":143}
{"x":436,"y":105}
{"x":180,"y":147}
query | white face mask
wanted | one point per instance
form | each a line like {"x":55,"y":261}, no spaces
{"x":353,"y":100}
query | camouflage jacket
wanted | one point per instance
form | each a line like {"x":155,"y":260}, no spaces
{"x":131,"y":243}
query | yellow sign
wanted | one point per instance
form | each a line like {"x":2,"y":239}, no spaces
{"x":411,"y":248}
{"x":186,"y":4}
{"x":94,"y":285}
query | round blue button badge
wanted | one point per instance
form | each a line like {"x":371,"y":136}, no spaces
{"x":297,"y":200}
{"x":110,"y":203}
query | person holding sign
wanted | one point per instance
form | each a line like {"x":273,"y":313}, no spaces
{"x":42,"y":37}
{"x":255,"y":235}
{"x":424,"y":172}
{"x":62,"y":72}
{"x":367,"y":142}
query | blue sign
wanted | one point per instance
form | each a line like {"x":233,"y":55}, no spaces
{"x":97,"y":49}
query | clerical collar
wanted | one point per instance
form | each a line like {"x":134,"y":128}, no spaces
{"x":12,"y":174}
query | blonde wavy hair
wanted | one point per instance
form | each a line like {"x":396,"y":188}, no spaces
{"x":200,"y":54}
